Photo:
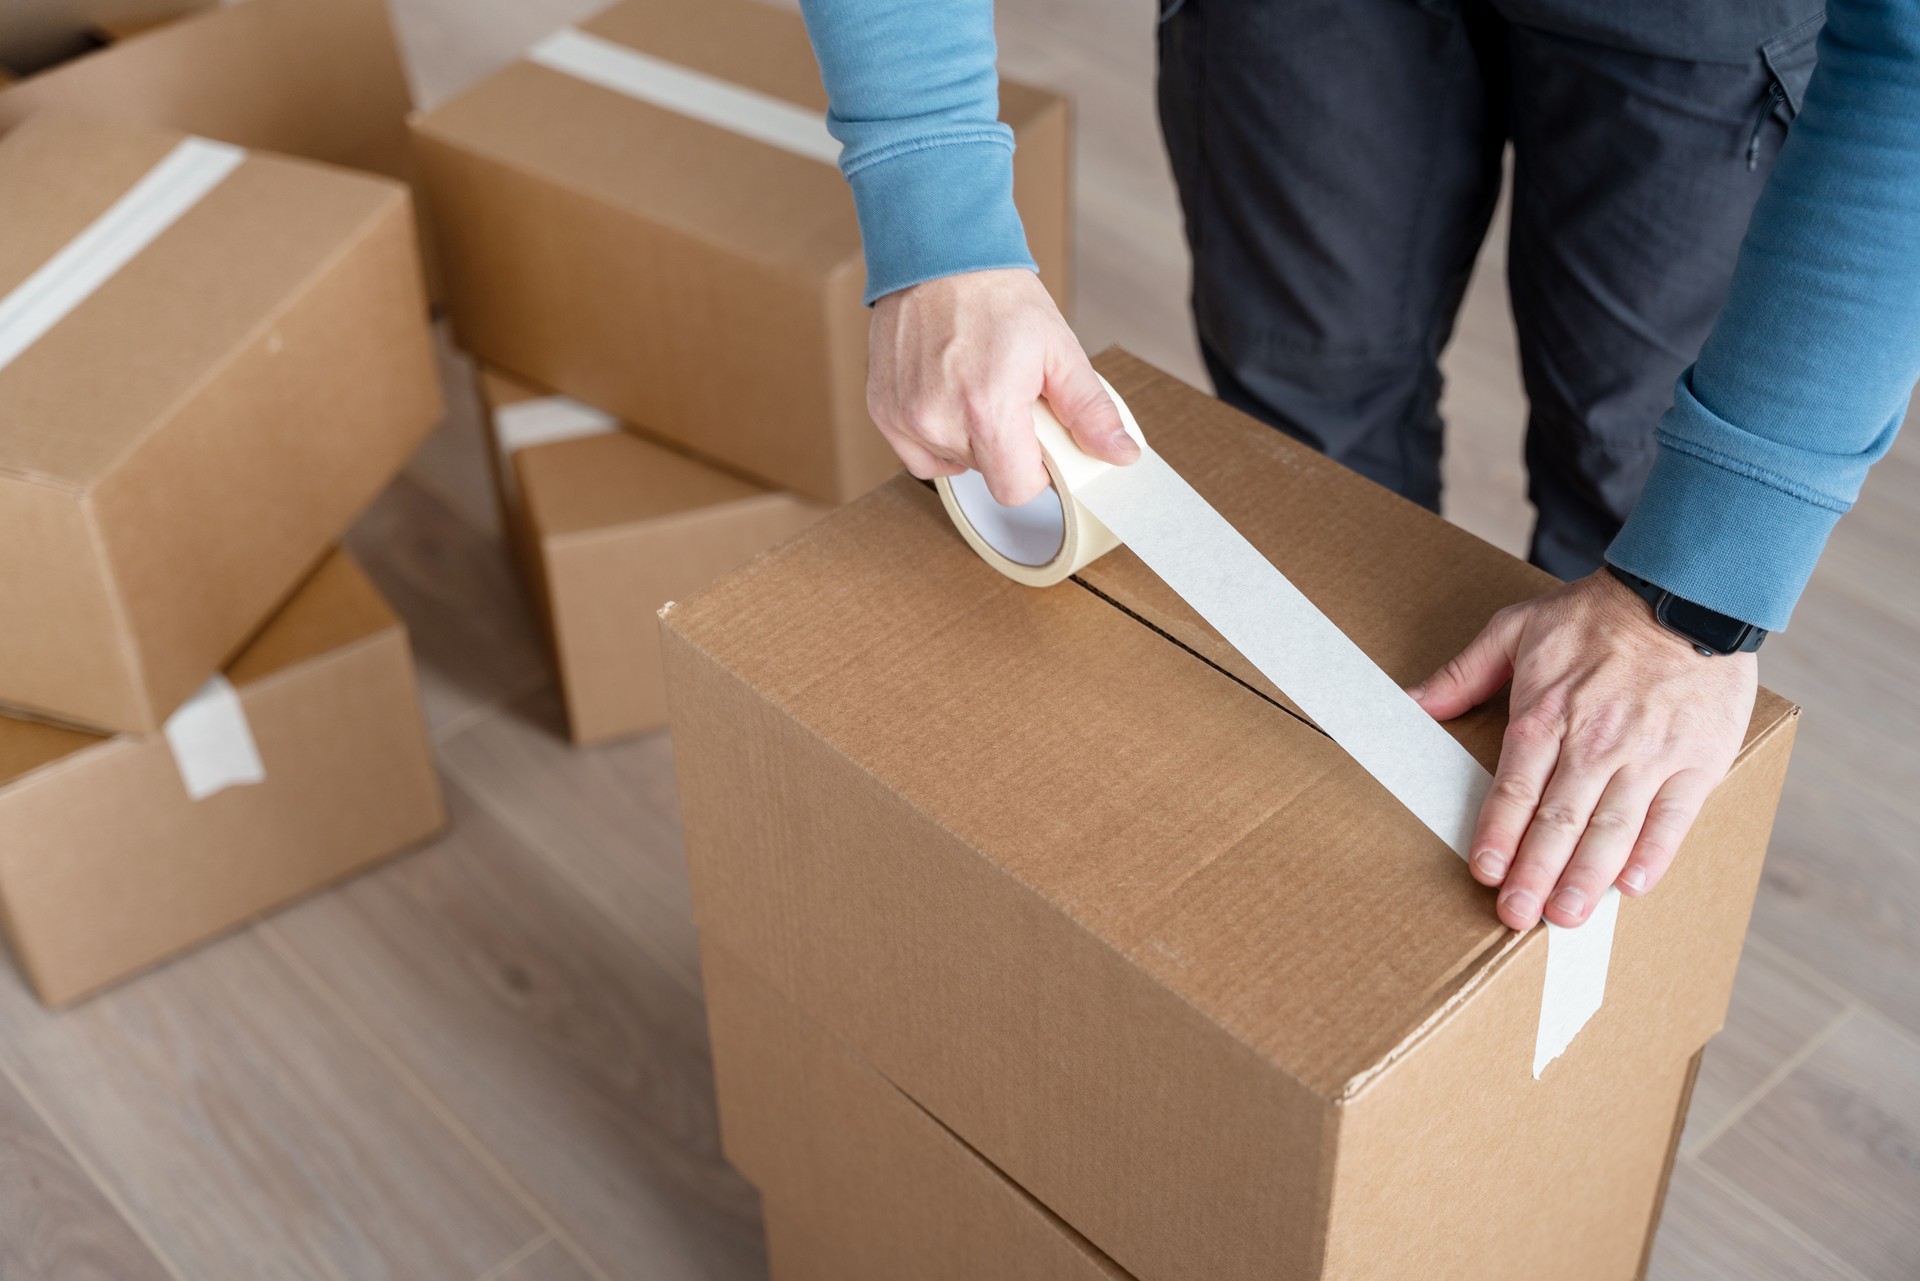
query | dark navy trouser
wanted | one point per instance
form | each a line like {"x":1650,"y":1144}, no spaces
{"x":1338,"y":162}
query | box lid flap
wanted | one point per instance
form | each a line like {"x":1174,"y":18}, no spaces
{"x":602,"y":482}
{"x":1094,"y":744}
{"x":85,"y":393}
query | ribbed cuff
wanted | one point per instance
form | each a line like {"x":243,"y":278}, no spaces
{"x":938,"y":210}
{"x":1731,"y":542}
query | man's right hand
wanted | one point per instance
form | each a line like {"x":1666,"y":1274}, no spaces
{"x":954,"y":367}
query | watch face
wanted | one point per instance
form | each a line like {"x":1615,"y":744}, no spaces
{"x":1716,"y":631}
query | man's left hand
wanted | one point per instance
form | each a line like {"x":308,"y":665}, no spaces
{"x":1617,"y":731}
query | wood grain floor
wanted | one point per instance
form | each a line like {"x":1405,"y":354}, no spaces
{"x":487,"y":1061}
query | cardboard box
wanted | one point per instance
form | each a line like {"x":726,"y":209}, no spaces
{"x":38,"y":33}
{"x":608,"y":527}
{"x":858,"y":1181}
{"x":181,"y":447}
{"x":1149,"y":942}
{"x":109,"y":864}
{"x":678,"y":274}
{"x":314,"y":78}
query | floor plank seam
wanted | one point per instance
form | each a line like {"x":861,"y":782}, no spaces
{"x":86,"y":1167}
{"x":1785,"y":1068}
{"x":426,"y":1097}
{"x":1807,"y":972}
{"x":482,"y":797}
{"x":1774,"y":1219}
{"x":515,"y":1259}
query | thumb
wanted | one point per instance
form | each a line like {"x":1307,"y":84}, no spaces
{"x":1476,"y":673}
{"x":1083,"y":407}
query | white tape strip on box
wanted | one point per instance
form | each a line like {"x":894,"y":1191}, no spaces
{"x":687,"y":92}
{"x":212,"y":743}
{"x":1094,"y":507}
{"x":167,"y":191}
{"x":542,"y":422}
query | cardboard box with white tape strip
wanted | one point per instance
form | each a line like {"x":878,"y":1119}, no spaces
{"x":306,"y":762}
{"x":1063,"y":867}
{"x":859,"y":1183}
{"x":609,"y":527}
{"x":314,"y":78}
{"x":210,"y":361}
{"x":645,"y":215}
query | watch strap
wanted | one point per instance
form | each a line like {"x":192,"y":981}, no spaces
{"x":1655,"y":596}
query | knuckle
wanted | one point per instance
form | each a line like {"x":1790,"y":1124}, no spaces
{"x":1534,"y":729}
{"x":1514,"y":790}
{"x":1600,"y":733}
{"x":1610,"y":822}
{"x":1556,"y":817}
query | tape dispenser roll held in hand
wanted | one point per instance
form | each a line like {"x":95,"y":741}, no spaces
{"x":1095,"y":506}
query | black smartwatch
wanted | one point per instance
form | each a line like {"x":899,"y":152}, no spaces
{"x":1708,"y":631}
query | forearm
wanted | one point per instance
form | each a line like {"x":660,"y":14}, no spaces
{"x":914,"y":101}
{"x":1806,"y":376}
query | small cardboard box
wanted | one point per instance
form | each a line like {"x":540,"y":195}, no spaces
{"x":676,"y":273}
{"x":1059,"y":867}
{"x":608,"y":527}
{"x":109,"y":863}
{"x":314,"y":78}
{"x":188,"y":438}
{"x":858,"y":1182}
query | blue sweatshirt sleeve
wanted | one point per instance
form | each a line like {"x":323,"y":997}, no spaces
{"x":914,"y":99}
{"x":1806,"y":376}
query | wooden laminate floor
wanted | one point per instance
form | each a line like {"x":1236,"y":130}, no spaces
{"x":487,"y":1059}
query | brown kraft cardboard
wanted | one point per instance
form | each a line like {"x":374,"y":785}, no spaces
{"x":679,"y":275}
{"x":608,"y":528}
{"x":183,"y":446}
{"x":1059,"y":868}
{"x":859,"y":1183}
{"x":109,"y":865}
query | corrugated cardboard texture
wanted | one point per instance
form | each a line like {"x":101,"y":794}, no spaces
{"x":177,"y":452}
{"x":314,"y":78}
{"x":108,"y":867}
{"x":1149,"y":942}
{"x":699,"y":284}
{"x":856,"y":1175}
{"x":611,"y":528}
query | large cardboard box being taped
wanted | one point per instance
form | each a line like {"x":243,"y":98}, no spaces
{"x":681,"y":274}
{"x":608,"y":527}
{"x":859,"y":1183}
{"x":183,"y":438}
{"x":314,"y":78}
{"x":307,"y":762}
{"x":1059,"y":866}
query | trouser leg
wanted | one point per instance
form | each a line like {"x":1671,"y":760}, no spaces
{"x":1337,"y":163}
{"x":1632,"y":191}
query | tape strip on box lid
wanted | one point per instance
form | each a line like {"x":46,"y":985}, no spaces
{"x":212,"y":743}
{"x":167,"y":191}
{"x":1094,"y":507}
{"x":687,"y":92}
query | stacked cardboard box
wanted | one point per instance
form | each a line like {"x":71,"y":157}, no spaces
{"x":608,"y":527}
{"x":1124,"y":934}
{"x":642,"y":225}
{"x":645,"y":215}
{"x":210,"y":361}
{"x":314,"y":78}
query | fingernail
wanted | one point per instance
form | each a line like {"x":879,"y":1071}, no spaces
{"x":1521,"y":904}
{"x":1570,"y":901}
{"x":1416,"y":692}
{"x":1125,"y":445}
{"x":1490,"y":864}
{"x":1634,"y":878}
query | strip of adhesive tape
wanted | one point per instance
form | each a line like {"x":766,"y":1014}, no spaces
{"x":212,"y":743}
{"x":541,"y":422}
{"x":687,"y":92}
{"x":176,"y":184}
{"x":1094,"y":506}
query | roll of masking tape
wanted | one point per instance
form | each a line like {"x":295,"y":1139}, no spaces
{"x":1095,"y":506}
{"x":1053,"y":537}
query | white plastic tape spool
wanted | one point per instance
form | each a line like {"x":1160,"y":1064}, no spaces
{"x":1094,"y":506}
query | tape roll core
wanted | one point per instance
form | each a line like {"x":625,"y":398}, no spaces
{"x":1049,"y":539}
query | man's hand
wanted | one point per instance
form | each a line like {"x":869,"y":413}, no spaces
{"x":955,"y":366}
{"x":1618,"y":729}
